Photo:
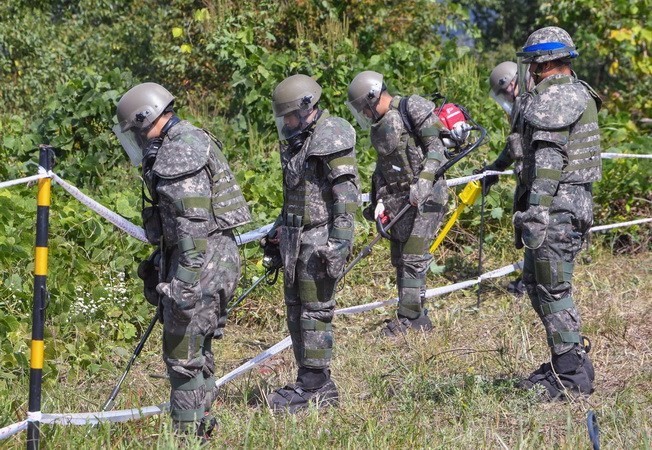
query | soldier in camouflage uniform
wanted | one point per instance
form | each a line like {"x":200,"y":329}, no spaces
{"x":405,"y":133}
{"x":195,"y":205}
{"x":314,"y":232}
{"x":504,"y":90}
{"x":558,"y":127}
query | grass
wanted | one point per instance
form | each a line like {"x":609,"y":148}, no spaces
{"x":452,"y":388}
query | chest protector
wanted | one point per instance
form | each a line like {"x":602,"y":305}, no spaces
{"x":307,"y":186}
{"x":400,"y":160}
{"x":564,"y":111}
{"x":188,"y":150}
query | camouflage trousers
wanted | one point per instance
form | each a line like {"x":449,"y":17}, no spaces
{"x":310,"y":304}
{"x":548,"y":270}
{"x":412,"y":236}
{"x":188,"y":330}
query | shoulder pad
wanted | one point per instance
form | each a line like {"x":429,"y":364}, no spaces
{"x":420,"y":110}
{"x":559,"y":106}
{"x":185,"y":150}
{"x":593,"y":94}
{"x":331,"y":135}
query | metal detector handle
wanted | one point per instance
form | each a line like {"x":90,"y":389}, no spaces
{"x":109,"y":402}
{"x":252,"y":287}
{"x":384,"y":230}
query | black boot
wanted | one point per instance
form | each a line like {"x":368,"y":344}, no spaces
{"x":573,"y":375}
{"x":207,"y":426}
{"x":313,"y":386}
{"x":401,"y":325}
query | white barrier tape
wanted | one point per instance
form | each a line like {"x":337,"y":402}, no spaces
{"x":12,"y":429}
{"x":621,"y":224}
{"x":276,"y":348}
{"x":5,"y":184}
{"x":117,"y":220}
{"x":104,"y":416}
{"x":254,"y":235}
{"x":34,"y":416}
{"x":625,"y":155}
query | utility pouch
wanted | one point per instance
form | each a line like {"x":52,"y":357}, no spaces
{"x":148,"y":271}
{"x":290,"y":244}
{"x":152,"y":224}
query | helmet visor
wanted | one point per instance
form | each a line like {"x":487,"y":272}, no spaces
{"x":130,"y":141}
{"x":364,"y":111}
{"x":291,"y":124}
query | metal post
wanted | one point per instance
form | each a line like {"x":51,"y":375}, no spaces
{"x":46,"y":157}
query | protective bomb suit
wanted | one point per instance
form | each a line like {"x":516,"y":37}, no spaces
{"x":558,"y":124}
{"x":314,"y":232}
{"x":405,"y":170}
{"x":196,"y":203}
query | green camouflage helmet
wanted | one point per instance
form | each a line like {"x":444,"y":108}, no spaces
{"x":548,"y":44}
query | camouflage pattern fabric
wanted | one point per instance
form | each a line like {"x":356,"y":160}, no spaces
{"x":320,"y":197}
{"x":203,"y":263}
{"x":402,"y":166}
{"x":561,"y":160}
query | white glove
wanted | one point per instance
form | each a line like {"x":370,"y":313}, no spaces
{"x":460,"y":131}
{"x":380,"y":209}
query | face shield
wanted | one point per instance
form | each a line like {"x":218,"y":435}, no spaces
{"x":505,"y":96}
{"x":132,"y":142}
{"x":363,"y":109}
{"x":292,"y":124}
{"x":524,"y":80}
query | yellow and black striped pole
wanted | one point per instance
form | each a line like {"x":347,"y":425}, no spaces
{"x":46,"y":157}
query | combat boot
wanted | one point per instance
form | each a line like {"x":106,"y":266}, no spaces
{"x":573,"y":376}
{"x":313,"y":386}
{"x":400,"y":325}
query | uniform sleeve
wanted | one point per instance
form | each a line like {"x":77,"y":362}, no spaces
{"x":428,"y":127}
{"x":343,"y":174}
{"x":191,"y":197}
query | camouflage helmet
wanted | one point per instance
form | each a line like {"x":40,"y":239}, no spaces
{"x":297,"y":92}
{"x":137,"y":111}
{"x":548,"y":44}
{"x":363,"y":96}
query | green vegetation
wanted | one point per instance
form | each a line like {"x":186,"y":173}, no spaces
{"x":63,"y":66}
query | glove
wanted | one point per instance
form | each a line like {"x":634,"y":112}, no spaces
{"x":533,"y":225}
{"x":420,"y":191}
{"x":148,"y":272}
{"x":460,"y":131}
{"x":379,"y":212}
{"x":489,"y":180}
{"x":334,"y":254}
{"x":271,"y":253}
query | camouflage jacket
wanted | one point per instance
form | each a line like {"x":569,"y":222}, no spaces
{"x":561,"y":137}
{"x":401,"y":161}
{"x":320,"y":181}
{"x":197,"y":195}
